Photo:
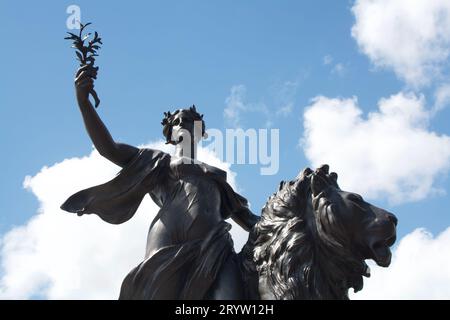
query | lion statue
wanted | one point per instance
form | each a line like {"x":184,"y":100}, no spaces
{"x":313,"y":239}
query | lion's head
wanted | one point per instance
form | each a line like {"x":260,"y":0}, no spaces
{"x":313,"y":239}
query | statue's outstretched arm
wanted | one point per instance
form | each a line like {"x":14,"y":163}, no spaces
{"x":118,"y":153}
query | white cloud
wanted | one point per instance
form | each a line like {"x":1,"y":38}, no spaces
{"x":442,"y":97}
{"x":410,"y":36}
{"x":419,"y":270}
{"x":284,"y":96}
{"x":392,"y":153}
{"x":57,"y":255}
{"x":234,"y":105}
{"x":327,"y":59}
{"x":281,"y":97}
{"x":338,"y":69}
{"x":285,"y":110}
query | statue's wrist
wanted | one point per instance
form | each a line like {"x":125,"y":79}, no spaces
{"x":82,"y":99}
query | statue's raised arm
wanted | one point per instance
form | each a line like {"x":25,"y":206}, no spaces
{"x":119,"y":153}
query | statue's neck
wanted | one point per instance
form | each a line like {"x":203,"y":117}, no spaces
{"x":183,"y":151}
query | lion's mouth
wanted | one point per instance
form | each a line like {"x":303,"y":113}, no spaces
{"x":381,"y":252}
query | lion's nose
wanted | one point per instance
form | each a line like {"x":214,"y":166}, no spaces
{"x":392,"y":218}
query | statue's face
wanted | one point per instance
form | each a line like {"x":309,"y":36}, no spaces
{"x":183,"y":124}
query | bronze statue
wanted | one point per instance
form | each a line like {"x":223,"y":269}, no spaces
{"x":310,"y":243}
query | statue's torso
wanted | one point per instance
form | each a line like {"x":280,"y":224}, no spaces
{"x":190,"y":206}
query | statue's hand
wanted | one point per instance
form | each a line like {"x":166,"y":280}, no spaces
{"x":84,"y":82}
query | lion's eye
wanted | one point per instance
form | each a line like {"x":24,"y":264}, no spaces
{"x":358,"y":201}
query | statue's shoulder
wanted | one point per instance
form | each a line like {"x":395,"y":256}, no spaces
{"x":217,"y":171}
{"x":146,"y":161}
{"x":145,"y":154}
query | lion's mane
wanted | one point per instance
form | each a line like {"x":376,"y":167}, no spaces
{"x":298,"y":252}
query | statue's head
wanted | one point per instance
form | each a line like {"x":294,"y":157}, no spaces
{"x":183,"y":121}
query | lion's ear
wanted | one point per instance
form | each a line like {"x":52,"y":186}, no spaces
{"x":334,"y":176}
{"x":318,"y":184}
{"x":304,"y":173}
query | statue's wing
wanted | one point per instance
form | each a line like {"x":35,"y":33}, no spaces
{"x":116,"y":201}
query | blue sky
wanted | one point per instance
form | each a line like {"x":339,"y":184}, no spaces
{"x":161,"y":55}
